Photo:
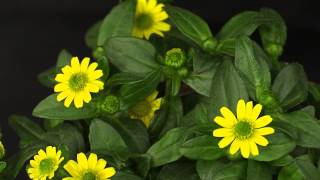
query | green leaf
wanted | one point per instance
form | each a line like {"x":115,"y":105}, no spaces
{"x":50,"y":108}
{"x":3,"y":165}
{"x":142,"y":164}
{"x":242,"y":24}
{"x":179,"y":170}
{"x":91,"y":36}
{"x":137,"y":90}
{"x":123,"y":175}
{"x":283,"y":161}
{"x":25,"y":128}
{"x":199,"y":115}
{"x":291,"y":86}
{"x":175,"y":85}
{"x":305,"y":126}
{"x":227,"y":89}
{"x":252,"y":67}
{"x":167,"y":149}
{"x":123,"y":78}
{"x":169,"y":117}
{"x":258,"y":170}
{"x":131,"y":55}
{"x":134,"y":134}
{"x":46,"y":78}
{"x":64,"y":59}
{"x":118,"y":22}
{"x":103,"y":137}
{"x":202,"y":148}
{"x":274,"y":32}
{"x":301,"y":168}
{"x":221,"y":169}
{"x":279,"y":145}
{"x":189,"y":24}
{"x":204,"y":68}
{"x":66,"y":135}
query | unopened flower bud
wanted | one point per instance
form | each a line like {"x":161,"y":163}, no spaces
{"x":110,"y":104}
{"x":210,"y":44}
{"x":274,"y":49}
{"x":183,"y":72}
{"x":98,"y":53}
{"x":175,"y":58}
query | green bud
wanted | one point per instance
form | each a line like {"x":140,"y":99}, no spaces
{"x":2,"y":150}
{"x":110,"y":104}
{"x":175,"y":58}
{"x":98,"y":53}
{"x":274,"y":49}
{"x":210,"y":44}
{"x":267,"y":99}
{"x":183,"y":72}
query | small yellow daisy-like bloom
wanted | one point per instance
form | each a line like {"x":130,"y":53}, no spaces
{"x":149,"y":19}
{"x":44,"y":164}
{"x":245,"y":131}
{"x":77,"y":81}
{"x":144,"y":110}
{"x":88,"y":169}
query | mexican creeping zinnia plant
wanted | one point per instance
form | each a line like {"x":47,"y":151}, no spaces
{"x":243,"y":131}
{"x":44,"y":164}
{"x":88,"y":169}
{"x":145,"y":109}
{"x":160,"y":75}
{"x":149,"y":19}
{"x":77,"y":81}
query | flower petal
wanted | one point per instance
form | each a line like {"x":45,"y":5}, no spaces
{"x":227,"y":114}
{"x":92,"y":161}
{"x":107,"y":173}
{"x":262,"y":121}
{"x":152,"y":96}
{"x":235,"y":146}
{"x":262,"y":141}
{"x":256,"y":112}
{"x":264,"y":131}
{"x":78,"y":100}
{"x":249,"y":107}
{"x":75,"y":64}
{"x":84,"y":64}
{"x":82,"y":161}
{"x":241,"y":109}
{"x":72,"y":168}
{"x":224,"y":122}
{"x":254,"y":148}
{"x":245,"y":149}
{"x":225,"y":141}
{"x":222,"y":132}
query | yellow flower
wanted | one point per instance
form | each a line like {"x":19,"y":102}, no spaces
{"x":88,"y":169}
{"x":77,"y":81}
{"x":149,"y":19}
{"x":144,"y":110}
{"x":44,"y":164}
{"x":245,"y":131}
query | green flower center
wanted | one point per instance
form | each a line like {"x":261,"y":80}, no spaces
{"x":243,"y":129}
{"x":141,"y":109}
{"x":46,"y":166}
{"x":175,"y":58}
{"x":78,"y":81}
{"x":144,"y":21}
{"x":89,"y":176}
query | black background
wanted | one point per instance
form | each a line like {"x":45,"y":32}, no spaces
{"x":32,"y":32}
